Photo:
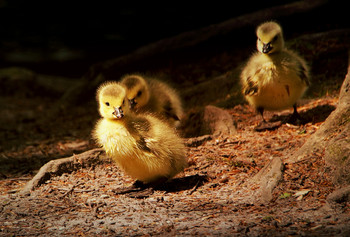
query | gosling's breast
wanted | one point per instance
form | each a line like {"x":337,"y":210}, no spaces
{"x":114,"y":138}
{"x":279,"y":87}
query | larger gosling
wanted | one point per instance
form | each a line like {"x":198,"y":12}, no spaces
{"x":144,"y":146}
{"x":151,"y":95}
{"x":275,"y":77}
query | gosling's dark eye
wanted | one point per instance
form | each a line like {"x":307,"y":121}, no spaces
{"x":275,"y":38}
{"x":139,"y":93}
{"x":107,"y":103}
{"x":123,"y":101}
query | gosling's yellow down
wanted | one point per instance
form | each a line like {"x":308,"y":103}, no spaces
{"x":144,"y":146}
{"x":151,"y":95}
{"x":275,"y":77}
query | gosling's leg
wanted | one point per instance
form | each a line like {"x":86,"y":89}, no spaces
{"x":295,"y":118}
{"x":264,"y":125}
{"x":261,"y":112}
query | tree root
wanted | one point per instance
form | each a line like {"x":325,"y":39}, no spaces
{"x":64,"y":165}
{"x":186,"y":40}
{"x":268,"y":178}
{"x":340,"y":195}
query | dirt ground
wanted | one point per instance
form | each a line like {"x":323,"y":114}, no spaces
{"x":209,"y":198}
{"x":213,"y":196}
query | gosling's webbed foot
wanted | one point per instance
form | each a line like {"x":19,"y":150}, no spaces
{"x":295,"y":118}
{"x":144,"y":193}
{"x":136,"y":190}
{"x":135,"y":187}
{"x":263,"y":126}
{"x":141,"y":190}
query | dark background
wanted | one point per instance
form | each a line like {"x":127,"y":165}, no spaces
{"x":66,"y":37}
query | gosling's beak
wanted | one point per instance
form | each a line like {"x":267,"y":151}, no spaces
{"x":267,"y":48}
{"x":118,"y":113}
{"x":132,"y":103}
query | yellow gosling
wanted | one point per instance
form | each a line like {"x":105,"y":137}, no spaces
{"x":275,"y":77}
{"x":151,"y":95}
{"x":144,"y":146}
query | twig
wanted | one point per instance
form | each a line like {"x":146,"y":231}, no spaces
{"x":63,"y":165}
{"x":70,"y":190}
{"x":95,"y":209}
{"x":194,"y":188}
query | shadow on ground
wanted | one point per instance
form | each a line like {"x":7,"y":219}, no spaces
{"x":314,"y":115}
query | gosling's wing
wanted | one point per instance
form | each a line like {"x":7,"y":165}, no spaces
{"x":140,"y":128}
{"x":172,"y":104}
{"x":251,"y":87}
{"x":146,"y":140}
{"x":254,"y":73}
{"x":303,"y":72}
{"x":163,"y":98}
{"x":170,"y":110}
{"x":250,"y":84}
{"x":143,"y":145}
{"x":297,"y":63}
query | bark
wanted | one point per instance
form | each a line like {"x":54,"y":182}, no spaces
{"x":17,"y":79}
{"x":259,"y":189}
{"x":340,"y":195}
{"x":116,"y":67}
{"x":64,"y":165}
{"x":208,"y":120}
{"x":332,"y":138}
{"x":193,"y":38}
{"x":268,"y":178}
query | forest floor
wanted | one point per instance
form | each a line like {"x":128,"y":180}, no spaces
{"x":213,"y":196}
{"x":208,"y":198}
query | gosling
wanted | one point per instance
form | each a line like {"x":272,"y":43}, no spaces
{"x":151,"y":95}
{"x":142,"y":145}
{"x":275,"y":77}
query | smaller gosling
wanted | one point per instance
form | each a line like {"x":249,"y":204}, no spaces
{"x":142,"y":145}
{"x":275,"y":77}
{"x":151,"y":95}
